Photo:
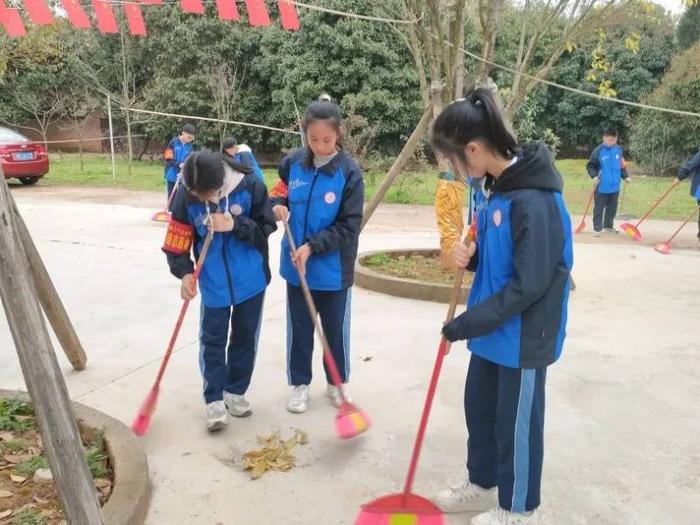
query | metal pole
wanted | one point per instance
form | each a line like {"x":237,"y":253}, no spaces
{"x":111,"y":136}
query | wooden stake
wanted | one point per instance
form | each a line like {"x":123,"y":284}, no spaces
{"x":406,"y":153}
{"x":48,"y":296}
{"x":42,"y":375}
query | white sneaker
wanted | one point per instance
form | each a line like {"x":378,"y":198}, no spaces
{"x":499,"y":516}
{"x":336,"y":395}
{"x":238,"y":406}
{"x":465,"y":497}
{"x":217,"y":417}
{"x":299,"y":401}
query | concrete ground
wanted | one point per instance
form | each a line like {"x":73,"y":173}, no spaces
{"x":622,"y":418}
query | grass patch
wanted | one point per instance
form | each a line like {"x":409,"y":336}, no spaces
{"x":29,"y":516}
{"x":29,"y":467}
{"x":97,"y":458}
{"x":409,"y":188}
{"x":15,"y":415}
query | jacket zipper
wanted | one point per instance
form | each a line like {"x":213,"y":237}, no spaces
{"x":308,"y":205}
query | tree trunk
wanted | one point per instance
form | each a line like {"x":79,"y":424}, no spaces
{"x":144,"y":149}
{"x":42,"y":375}
{"x":436,"y":89}
{"x":406,"y":153}
{"x":129,"y":145}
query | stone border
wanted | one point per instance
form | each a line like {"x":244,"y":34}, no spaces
{"x":408,"y":288}
{"x":131,"y":493}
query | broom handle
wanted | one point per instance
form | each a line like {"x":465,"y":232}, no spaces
{"x":673,"y":185}
{"x":686,"y":221}
{"x":442,"y":351}
{"x":327,"y":355}
{"x":590,"y":201}
{"x":172,"y":194}
{"x":183,"y":309}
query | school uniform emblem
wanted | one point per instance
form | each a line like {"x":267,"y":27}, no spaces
{"x":329,"y":197}
{"x":497,"y":217}
{"x":236,"y":210}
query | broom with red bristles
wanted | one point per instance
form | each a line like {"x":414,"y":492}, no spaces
{"x":406,"y":507}
{"x":143,"y":418}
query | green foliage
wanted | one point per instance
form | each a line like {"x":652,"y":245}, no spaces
{"x":29,"y":467}
{"x":97,"y":458}
{"x":30,"y":516}
{"x":527,"y":125}
{"x":688,"y":30}
{"x":661,"y":141}
{"x":13,"y":413}
{"x":580,"y":121}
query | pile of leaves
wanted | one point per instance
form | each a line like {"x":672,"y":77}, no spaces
{"x":275,"y":454}
{"x":23,"y":501}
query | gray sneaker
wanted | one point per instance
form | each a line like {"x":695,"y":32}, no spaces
{"x":299,"y":402}
{"x":238,"y":406}
{"x":596,"y":233}
{"x":217,"y":418}
{"x":611,"y":230}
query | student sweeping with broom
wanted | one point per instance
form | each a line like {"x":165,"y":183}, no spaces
{"x":217,"y":190}
{"x":516,"y":317}
{"x":321,"y":194}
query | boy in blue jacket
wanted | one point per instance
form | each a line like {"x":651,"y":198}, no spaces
{"x":242,"y":154}
{"x":321,"y":194}
{"x":515,"y":323}
{"x":607,"y":167}
{"x":691,"y":169}
{"x":218,"y":191}
{"x":175,"y":155}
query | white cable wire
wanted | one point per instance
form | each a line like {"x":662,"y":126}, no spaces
{"x":354,"y":15}
{"x":193,"y":117}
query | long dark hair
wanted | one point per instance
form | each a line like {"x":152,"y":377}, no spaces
{"x":476,"y":117}
{"x":204,"y":170}
{"x":326,"y":111}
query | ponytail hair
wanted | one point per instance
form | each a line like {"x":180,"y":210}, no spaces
{"x":204,"y":171}
{"x":476,"y":117}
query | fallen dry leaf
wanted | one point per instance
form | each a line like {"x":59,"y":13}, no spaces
{"x":6,"y":513}
{"x":275,"y":453}
{"x":7,"y":436}
{"x":101,"y":483}
{"x":17,"y":478}
{"x":5,"y":494}
{"x":15,"y":459}
{"x":41,"y":501}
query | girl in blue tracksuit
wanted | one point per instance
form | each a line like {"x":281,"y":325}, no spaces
{"x":516,"y":317}
{"x":242,"y":154}
{"x":691,"y":169}
{"x":219,"y":193}
{"x":321,"y":192}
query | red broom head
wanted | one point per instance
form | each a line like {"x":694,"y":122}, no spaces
{"x":161,"y":216}
{"x":351,"y":421}
{"x":631,"y":231}
{"x":664,"y":248}
{"x":400,"y":509}
{"x":143,"y":418}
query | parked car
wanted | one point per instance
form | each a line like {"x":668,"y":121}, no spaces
{"x":22,"y":158}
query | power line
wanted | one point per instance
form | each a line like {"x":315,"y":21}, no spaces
{"x":208,"y":119}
